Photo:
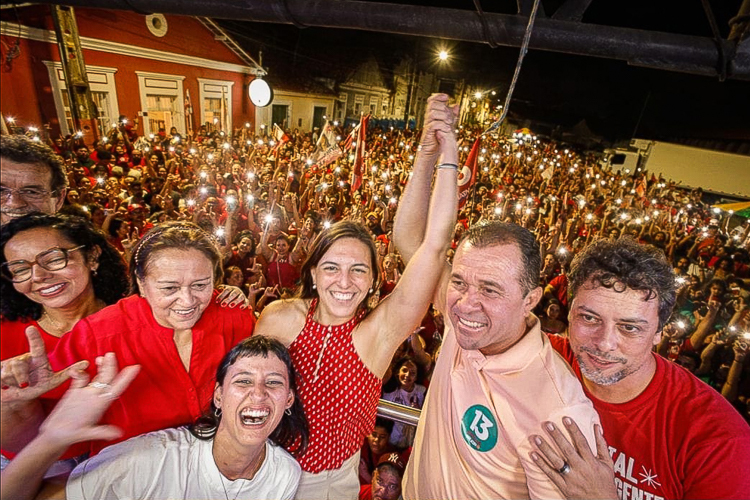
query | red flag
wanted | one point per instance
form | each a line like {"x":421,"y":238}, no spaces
{"x":352,"y":137}
{"x":359,"y":154}
{"x":468,"y":174}
{"x":279,"y":134}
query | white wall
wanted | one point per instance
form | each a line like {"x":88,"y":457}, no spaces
{"x":694,"y":167}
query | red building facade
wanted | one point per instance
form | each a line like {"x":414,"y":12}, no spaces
{"x":137,"y":66}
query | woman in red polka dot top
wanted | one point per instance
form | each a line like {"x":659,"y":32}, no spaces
{"x":340,"y":348}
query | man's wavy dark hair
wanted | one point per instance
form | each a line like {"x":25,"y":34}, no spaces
{"x":623,"y":264}
{"x":111,"y":279}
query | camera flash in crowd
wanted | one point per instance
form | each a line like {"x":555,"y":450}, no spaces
{"x":204,"y":175}
{"x":498,"y":210}
{"x":191,"y":203}
{"x":247,"y":124}
{"x":230,"y":199}
{"x":326,"y":224}
{"x":204,"y":190}
{"x":100,"y":180}
{"x":219,"y":232}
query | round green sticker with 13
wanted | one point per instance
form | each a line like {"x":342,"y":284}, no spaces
{"x":479,"y":428}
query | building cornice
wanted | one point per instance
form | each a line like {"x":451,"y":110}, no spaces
{"x":48,"y":36}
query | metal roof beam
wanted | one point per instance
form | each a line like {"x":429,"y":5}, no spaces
{"x":666,"y":51}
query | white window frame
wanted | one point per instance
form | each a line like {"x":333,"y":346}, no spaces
{"x":101,"y":79}
{"x":162,"y":84}
{"x":212,"y":89}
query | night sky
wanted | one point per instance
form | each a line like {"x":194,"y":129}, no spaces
{"x":616,"y":101}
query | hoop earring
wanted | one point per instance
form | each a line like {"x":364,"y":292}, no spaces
{"x":217,"y":412}
{"x":94,"y":272}
{"x":288,"y":412}
{"x":371,"y":290}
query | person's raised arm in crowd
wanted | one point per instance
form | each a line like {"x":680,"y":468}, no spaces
{"x":705,"y":325}
{"x":730,"y":389}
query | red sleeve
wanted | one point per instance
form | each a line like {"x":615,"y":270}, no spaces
{"x":562,"y":346}
{"x":720,"y":469}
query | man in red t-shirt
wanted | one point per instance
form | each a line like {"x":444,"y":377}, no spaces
{"x":668,"y":434}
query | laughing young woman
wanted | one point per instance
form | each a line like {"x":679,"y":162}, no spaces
{"x":234,"y":451}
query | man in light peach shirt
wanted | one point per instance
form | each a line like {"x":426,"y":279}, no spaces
{"x":497,"y":380}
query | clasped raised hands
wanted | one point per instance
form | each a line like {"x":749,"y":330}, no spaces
{"x":438,"y":135}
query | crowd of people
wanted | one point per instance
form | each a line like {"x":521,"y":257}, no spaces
{"x":123,"y":247}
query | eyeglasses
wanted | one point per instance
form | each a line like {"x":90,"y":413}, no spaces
{"x":53,"y":259}
{"x":27,"y":193}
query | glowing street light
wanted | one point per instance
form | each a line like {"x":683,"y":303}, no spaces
{"x":443,"y":55}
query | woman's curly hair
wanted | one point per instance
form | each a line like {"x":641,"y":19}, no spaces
{"x":111,"y":279}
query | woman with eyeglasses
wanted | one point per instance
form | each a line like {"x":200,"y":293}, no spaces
{"x":56,"y":270}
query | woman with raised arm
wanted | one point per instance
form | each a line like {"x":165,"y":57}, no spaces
{"x":340,"y":347}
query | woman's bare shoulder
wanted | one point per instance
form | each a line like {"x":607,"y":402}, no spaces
{"x":283,"y":319}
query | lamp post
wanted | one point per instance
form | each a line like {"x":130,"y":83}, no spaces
{"x":442,"y":57}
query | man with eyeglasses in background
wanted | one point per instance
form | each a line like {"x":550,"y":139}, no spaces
{"x":32,"y":178}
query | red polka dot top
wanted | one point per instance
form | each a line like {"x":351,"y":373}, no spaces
{"x":339,"y":393}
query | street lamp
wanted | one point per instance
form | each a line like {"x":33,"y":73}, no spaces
{"x":443,"y":55}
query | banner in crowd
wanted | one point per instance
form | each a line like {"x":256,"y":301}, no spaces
{"x":359,"y":151}
{"x":467,"y":176}
{"x":326,"y":149}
